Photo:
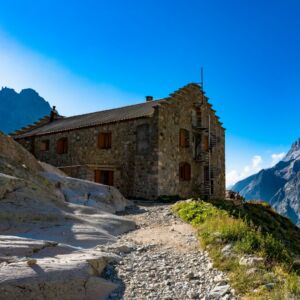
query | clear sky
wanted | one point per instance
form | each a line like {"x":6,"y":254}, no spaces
{"x":90,"y":55}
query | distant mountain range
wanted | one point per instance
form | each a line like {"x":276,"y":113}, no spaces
{"x":20,"y":109}
{"x":279,"y":186}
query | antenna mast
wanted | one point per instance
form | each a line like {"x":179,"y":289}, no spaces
{"x":202,"y":79}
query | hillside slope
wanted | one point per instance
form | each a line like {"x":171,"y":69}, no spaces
{"x":279,"y":186}
{"x":20,"y":109}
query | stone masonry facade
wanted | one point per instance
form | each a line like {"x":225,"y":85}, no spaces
{"x":173,"y":146}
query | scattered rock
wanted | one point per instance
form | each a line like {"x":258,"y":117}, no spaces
{"x":218,"y":291}
{"x":250,"y":260}
{"x":31,"y":262}
{"x":270,"y":286}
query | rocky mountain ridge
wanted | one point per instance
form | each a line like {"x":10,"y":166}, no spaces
{"x":279,"y":185}
{"x":20,"y":109}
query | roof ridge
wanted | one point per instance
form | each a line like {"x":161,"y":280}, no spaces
{"x":112,"y":109}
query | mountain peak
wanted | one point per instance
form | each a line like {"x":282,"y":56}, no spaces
{"x":29,"y":91}
{"x":294,"y":152}
{"x":20,"y":109}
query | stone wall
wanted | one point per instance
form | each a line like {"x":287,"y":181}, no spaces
{"x":173,"y":116}
{"x":135,"y":174}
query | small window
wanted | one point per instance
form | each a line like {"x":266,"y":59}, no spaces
{"x":184,"y":138}
{"x":104,"y":176}
{"x":104,"y":140}
{"x":206,"y":144}
{"x":62,"y":146}
{"x":185,"y":172}
{"x":44,"y":146}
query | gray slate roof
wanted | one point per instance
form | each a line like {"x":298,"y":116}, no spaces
{"x":97,"y":118}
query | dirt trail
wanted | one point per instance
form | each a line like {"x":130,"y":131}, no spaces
{"x":164,"y":261}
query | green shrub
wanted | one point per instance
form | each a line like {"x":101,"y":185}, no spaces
{"x":274,"y":249}
{"x":250,"y":242}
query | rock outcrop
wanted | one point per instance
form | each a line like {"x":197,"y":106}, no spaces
{"x":50,"y":226}
{"x":279,"y":186}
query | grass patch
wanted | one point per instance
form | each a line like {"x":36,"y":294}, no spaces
{"x":251,"y":229}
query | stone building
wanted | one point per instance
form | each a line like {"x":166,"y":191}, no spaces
{"x":172,"y":146}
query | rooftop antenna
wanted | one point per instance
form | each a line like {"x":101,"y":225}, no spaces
{"x":202,"y":79}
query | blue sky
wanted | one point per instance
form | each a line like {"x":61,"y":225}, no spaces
{"x":91,"y":55}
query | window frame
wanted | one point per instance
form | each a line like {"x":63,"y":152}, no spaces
{"x":62,"y":146}
{"x":184,"y":138}
{"x":185,"y":171}
{"x":104,"y":140}
{"x":99,"y":176}
{"x":47,"y":145}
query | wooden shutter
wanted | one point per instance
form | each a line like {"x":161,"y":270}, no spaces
{"x":62,"y":146}
{"x":108,"y":140}
{"x":59,"y":147}
{"x":187,"y":171}
{"x":44,"y":146}
{"x":184,"y":138}
{"x":101,"y":140}
{"x":104,"y":140}
{"x":98,"y":176}
{"x":206,"y":143}
{"x":110,"y":178}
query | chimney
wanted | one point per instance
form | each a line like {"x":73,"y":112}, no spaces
{"x":149,"y":98}
{"x":53,"y":114}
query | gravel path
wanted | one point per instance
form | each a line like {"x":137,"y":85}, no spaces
{"x":161,"y":259}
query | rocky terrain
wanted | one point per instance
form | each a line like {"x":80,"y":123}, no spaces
{"x":162,"y":260}
{"x":20,"y":109}
{"x":50,"y":226}
{"x":279,"y":186}
{"x":65,"y":238}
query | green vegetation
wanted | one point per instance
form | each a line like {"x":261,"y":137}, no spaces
{"x":250,"y":229}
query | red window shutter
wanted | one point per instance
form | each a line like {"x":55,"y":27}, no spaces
{"x":97,"y":176}
{"x":185,"y":171}
{"x":59,"y":147}
{"x":101,"y":141}
{"x":104,"y":140}
{"x":206,"y":143}
{"x":183,"y":138}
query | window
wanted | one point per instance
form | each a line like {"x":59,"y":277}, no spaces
{"x":44,"y":146}
{"x":62,"y":146}
{"x":206,"y":173}
{"x":206,"y":143}
{"x":104,"y":176}
{"x":185,"y":172}
{"x":142,"y":138}
{"x":104,"y":140}
{"x":184,"y":138}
